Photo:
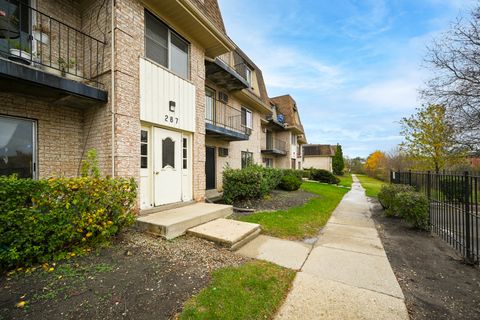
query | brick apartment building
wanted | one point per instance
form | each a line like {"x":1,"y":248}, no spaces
{"x":157,"y":88}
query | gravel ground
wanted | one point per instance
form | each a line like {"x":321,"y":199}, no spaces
{"x":138,"y":277}
{"x":276,"y":200}
{"x":434,"y":280}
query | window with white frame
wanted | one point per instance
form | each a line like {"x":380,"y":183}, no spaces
{"x":165,"y":47}
{"x":293,"y":139}
{"x":248,"y":75}
{"x":247,"y":118}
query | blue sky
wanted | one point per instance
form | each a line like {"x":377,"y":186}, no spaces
{"x":353,"y":66}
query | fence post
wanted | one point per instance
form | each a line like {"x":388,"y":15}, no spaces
{"x":467,"y":217}
{"x":410,"y":177}
{"x":391,"y":176}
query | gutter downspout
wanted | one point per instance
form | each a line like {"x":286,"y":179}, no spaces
{"x":112,"y":90}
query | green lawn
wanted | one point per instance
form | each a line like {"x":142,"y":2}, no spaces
{"x":304,"y":221}
{"x":345,"y":181}
{"x":372,"y":186}
{"x":254,"y":290}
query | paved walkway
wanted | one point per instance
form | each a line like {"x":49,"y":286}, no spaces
{"x":345,"y":274}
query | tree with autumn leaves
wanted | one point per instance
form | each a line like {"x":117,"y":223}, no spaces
{"x":375,"y":165}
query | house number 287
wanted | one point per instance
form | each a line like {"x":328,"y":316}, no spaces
{"x":171,"y":119}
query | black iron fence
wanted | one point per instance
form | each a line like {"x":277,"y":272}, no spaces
{"x":454,"y":202}
{"x":34,"y":38}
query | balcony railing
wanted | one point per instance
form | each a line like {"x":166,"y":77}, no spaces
{"x":34,"y":38}
{"x":276,"y":144}
{"x":224,"y":116}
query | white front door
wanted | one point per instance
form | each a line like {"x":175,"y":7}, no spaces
{"x":167,"y":166}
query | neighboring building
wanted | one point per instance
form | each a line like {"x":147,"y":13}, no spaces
{"x":283,"y":135}
{"x":318,"y":156}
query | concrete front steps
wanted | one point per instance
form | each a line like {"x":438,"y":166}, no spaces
{"x":226,"y":232}
{"x":175,"y":222}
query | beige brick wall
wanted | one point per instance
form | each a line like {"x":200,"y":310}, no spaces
{"x":59,"y":133}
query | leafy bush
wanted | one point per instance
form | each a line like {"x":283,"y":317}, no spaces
{"x":324,"y":176}
{"x":290,"y":182}
{"x":247,"y":183}
{"x":306,"y":173}
{"x":453,"y":189}
{"x":413,"y":207}
{"x":387,"y":194}
{"x":255,"y":181}
{"x":42,"y":220}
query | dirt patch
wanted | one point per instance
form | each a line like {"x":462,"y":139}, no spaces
{"x":276,"y":200}
{"x":138,"y":277}
{"x":435,"y":281}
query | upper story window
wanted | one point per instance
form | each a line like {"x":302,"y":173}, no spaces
{"x":293,"y":139}
{"x":247,"y":118}
{"x":165,"y":47}
{"x":248,"y":75}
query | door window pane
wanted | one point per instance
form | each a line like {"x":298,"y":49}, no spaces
{"x":143,"y":149}
{"x":16,"y":147}
{"x":185,"y":153}
{"x":168,"y":153}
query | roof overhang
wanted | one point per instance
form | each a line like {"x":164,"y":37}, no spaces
{"x":194,"y":23}
{"x":251,"y":100}
{"x":294,"y":129}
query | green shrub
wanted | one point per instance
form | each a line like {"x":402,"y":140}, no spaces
{"x":387,"y":194}
{"x":324,"y":176}
{"x":290,"y":182}
{"x":255,"y":181}
{"x":453,"y":189}
{"x":272,"y":176}
{"x":247,"y":183}
{"x":306,"y":173}
{"x":413,"y":207}
{"x":41,"y":220}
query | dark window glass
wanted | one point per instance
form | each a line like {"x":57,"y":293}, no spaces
{"x":144,"y":136}
{"x":144,"y":162}
{"x":244,"y":116}
{"x":156,"y":40}
{"x":184,"y":163}
{"x":184,"y":153}
{"x":144,"y":149}
{"x":168,"y":153}
{"x":16,"y":147}
{"x":247,"y":159}
{"x":184,"y":142}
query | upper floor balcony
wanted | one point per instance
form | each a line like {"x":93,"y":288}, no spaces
{"x":47,"y":57}
{"x":274,"y":147}
{"x":225,"y":122}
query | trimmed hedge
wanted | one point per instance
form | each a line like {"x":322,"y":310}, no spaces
{"x":256,"y":181}
{"x":324,"y":176}
{"x":413,"y":207}
{"x":290,"y":182}
{"x":387,"y":195}
{"x":41,"y":220}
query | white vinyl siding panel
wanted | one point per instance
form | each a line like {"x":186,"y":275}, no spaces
{"x":158,"y":87}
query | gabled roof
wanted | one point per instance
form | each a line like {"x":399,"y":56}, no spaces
{"x":287,"y":106}
{"x":319,"y":150}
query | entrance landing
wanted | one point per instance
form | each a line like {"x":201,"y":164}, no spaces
{"x":175,"y":222}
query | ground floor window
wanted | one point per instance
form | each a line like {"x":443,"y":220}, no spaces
{"x":247,"y":159}
{"x":268,"y":162}
{"x":18,"y":147}
{"x":294,"y":164}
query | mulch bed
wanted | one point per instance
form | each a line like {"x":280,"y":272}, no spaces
{"x":435,"y":281}
{"x":138,"y":277}
{"x":276,"y":200}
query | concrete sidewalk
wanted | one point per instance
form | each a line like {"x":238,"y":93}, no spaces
{"x":347,"y":274}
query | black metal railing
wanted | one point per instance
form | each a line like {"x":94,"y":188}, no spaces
{"x":276,"y":144}
{"x":454,"y":202}
{"x":34,"y":38}
{"x":222,"y":115}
